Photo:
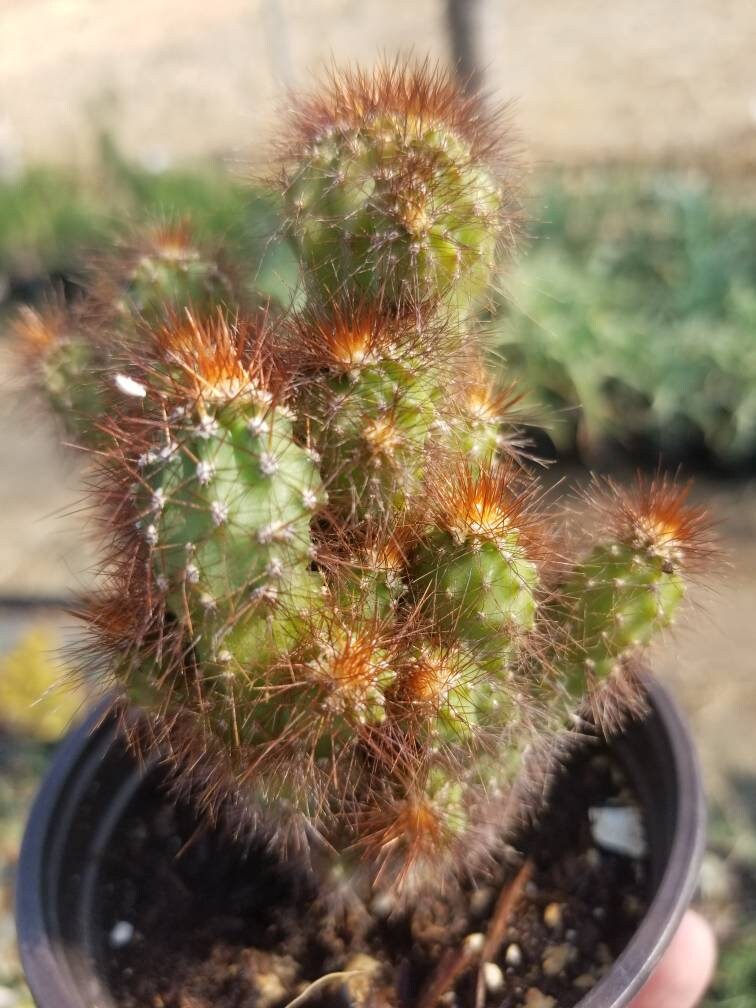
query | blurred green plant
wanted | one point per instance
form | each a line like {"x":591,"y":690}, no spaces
{"x":52,"y":221}
{"x":731,"y":901}
{"x":47,"y":217}
{"x":634,"y":315}
{"x":736,"y":976}
{"x":28,"y":728}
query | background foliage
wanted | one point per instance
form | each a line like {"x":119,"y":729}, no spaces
{"x":634,"y":315}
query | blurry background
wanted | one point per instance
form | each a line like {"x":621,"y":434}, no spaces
{"x":631,"y":308}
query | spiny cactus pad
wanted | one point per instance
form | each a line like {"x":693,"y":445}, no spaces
{"x":330,"y":580}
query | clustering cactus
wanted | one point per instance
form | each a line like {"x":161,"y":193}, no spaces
{"x":331,"y":580}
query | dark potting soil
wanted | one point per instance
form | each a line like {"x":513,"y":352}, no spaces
{"x":191,"y":919}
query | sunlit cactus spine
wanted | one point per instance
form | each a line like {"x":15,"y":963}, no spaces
{"x":331,"y":581}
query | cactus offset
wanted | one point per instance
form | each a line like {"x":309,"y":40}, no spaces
{"x":397,"y":188}
{"x":477,"y":572}
{"x":370,"y":404}
{"x":331,"y":583}
{"x":165,"y":270}
{"x":65,"y":365}
{"x":630,"y":586}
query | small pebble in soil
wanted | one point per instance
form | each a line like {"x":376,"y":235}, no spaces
{"x":382,"y":905}
{"x":537,"y":999}
{"x":618,"y":828}
{"x":270,"y":990}
{"x":513,"y":955}
{"x":359,"y":986}
{"x":474,"y":942}
{"x":121,"y":934}
{"x":555,"y":958}
{"x":592,"y":858}
{"x":603,"y":953}
{"x":480,"y":900}
{"x":632,"y":906}
{"x":493,"y":977}
{"x":552,"y":915}
{"x":584,"y":982}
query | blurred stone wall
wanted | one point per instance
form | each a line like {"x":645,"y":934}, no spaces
{"x":178,"y":79}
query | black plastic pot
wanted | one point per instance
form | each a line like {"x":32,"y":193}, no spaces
{"x":93,"y":779}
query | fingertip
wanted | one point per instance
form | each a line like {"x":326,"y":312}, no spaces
{"x":698,"y":938}
{"x":685,"y":970}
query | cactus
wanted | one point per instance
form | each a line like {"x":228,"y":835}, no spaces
{"x":630,"y":586}
{"x":370,"y":402}
{"x":477,"y":573}
{"x":484,"y":425}
{"x":161,"y":271}
{"x":398,"y":187}
{"x":223,"y":493}
{"x":332,"y":584}
{"x":64,"y":365}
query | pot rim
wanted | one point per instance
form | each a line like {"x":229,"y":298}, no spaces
{"x":46,"y":972}
{"x":634,"y":965}
{"x":52,"y":983}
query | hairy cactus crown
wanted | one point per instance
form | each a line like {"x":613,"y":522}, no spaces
{"x":330,"y":580}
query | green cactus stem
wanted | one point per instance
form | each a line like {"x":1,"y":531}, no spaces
{"x":393,"y":191}
{"x":225,"y":497}
{"x":482,"y":426}
{"x":474,"y":574}
{"x":67,"y":366}
{"x":630,"y":587}
{"x":170,"y":273}
{"x":370,"y":406}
